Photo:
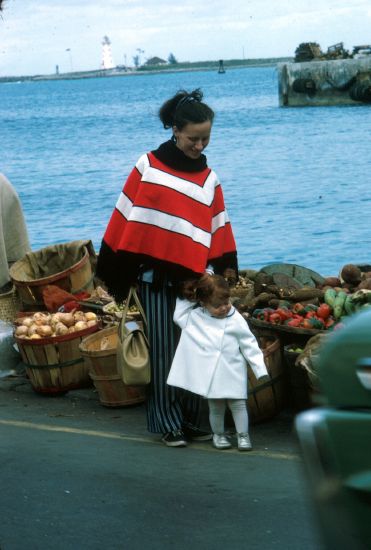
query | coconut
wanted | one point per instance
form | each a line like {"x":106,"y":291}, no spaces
{"x":332,"y":281}
{"x":351,"y":273}
{"x":365,"y":284}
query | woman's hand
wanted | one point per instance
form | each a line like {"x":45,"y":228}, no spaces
{"x":188,"y":290}
{"x":231,"y":276}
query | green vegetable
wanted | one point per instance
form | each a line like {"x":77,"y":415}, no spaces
{"x":339,"y":304}
{"x":349,"y":305}
{"x":330,"y":296}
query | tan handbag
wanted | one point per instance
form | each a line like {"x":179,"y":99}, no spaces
{"x":133,"y":363}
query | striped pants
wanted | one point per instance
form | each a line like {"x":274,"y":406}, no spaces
{"x":168,"y":408}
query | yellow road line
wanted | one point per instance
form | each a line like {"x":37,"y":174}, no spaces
{"x":125,"y":437}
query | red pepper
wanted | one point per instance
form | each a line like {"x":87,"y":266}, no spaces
{"x":275,"y":318}
{"x":306,"y":323}
{"x":310,"y":314}
{"x":261,"y":314}
{"x":323,"y":311}
{"x":329,"y":322}
{"x":298,"y":308}
{"x":294,"y":322}
{"x":284,"y":313}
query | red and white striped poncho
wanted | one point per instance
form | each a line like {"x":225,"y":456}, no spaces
{"x":173,"y":217}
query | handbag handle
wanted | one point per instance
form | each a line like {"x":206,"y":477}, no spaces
{"x":133,"y":294}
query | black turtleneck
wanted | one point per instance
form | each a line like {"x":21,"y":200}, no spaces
{"x":172,"y":156}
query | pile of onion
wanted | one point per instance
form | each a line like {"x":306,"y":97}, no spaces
{"x":45,"y":325}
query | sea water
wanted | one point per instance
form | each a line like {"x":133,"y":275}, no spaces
{"x":296,"y":180}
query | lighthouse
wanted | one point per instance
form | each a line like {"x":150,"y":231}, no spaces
{"x":107,"y":61}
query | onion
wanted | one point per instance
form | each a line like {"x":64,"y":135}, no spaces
{"x":60,"y":329}
{"x":92,"y":323}
{"x":32,"y":329}
{"x":27,"y":321}
{"x":67,"y":319}
{"x":90,"y":316}
{"x":44,"y":330}
{"x":41,"y":318}
{"x":81,"y":325}
{"x":22,"y":330}
{"x":79,"y":316}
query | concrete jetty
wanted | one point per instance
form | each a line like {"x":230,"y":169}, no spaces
{"x":325,"y":82}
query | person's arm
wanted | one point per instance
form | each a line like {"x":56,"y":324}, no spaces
{"x":182,"y":311}
{"x":223,"y":253}
{"x":251,"y":351}
{"x":116,"y":267}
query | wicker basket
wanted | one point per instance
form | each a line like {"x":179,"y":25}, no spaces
{"x":99,"y":352}
{"x":9,"y":305}
{"x":55,"y":365}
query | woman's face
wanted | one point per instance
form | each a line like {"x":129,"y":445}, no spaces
{"x":193,"y":138}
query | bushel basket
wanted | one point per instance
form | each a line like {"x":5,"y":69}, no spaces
{"x":69,"y":266}
{"x":100,"y":355}
{"x":55,"y":364}
{"x":267,"y":399}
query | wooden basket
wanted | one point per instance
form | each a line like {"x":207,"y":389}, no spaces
{"x":114,"y":393}
{"x":267,"y":399}
{"x":299,"y":382}
{"x":73,"y":279}
{"x":55,"y":364}
{"x":102,"y":366}
{"x":99,"y":351}
{"x":9,"y":305}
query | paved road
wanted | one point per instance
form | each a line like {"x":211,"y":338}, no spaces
{"x":76,"y":475}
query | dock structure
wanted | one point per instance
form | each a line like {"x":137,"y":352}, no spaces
{"x":325,"y":82}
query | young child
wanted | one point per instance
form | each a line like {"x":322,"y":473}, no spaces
{"x":215,"y":348}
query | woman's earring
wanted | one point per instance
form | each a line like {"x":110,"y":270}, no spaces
{"x":173,"y":138}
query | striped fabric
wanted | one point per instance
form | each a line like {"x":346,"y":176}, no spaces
{"x":187,"y":222}
{"x":167,"y":407}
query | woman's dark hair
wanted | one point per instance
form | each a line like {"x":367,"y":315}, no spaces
{"x":212,"y":286}
{"x":184,"y":108}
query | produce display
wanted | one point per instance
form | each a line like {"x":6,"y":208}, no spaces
{"x":44,"y":325}
{"x":280,"y":299}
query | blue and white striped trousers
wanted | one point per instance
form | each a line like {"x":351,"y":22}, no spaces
{"x":168,"y":408}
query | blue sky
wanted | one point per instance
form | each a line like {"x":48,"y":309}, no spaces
{"x":36,"y":36}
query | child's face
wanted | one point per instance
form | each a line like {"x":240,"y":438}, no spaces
{"x":218,"y":307}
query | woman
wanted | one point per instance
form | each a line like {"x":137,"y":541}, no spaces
{"x":168,"y":226}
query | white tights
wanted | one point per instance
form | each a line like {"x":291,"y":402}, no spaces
{"x":238,"y":408}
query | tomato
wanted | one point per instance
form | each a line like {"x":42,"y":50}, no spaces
{"x":323,"y":311}
{"x":310,"y":314}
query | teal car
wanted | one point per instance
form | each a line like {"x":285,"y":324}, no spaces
{"x":336,"y":439}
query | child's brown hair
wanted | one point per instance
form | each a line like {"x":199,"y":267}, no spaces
{"x":209,"y":287}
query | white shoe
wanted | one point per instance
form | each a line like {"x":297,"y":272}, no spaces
{"x":244,"y":443}
{"x":220,"y":441}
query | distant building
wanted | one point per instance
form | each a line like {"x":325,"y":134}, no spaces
{"x":155,"y":61}
{"x":107,"y":61}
